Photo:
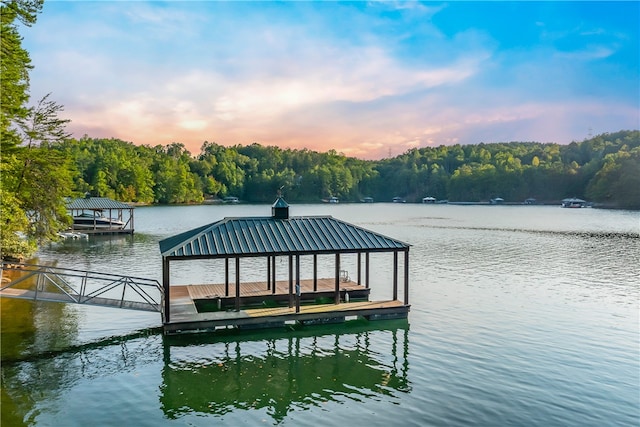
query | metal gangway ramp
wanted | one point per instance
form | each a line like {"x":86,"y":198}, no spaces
{"x":65,"y":285}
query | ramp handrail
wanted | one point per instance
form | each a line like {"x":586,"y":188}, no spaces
{"x":86,"y":287}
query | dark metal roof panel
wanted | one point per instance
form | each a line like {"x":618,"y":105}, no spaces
{"x":95,"y":203}
{"x":267,"y":235}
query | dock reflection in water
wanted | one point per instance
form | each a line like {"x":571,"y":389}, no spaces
{"x":245,"y":375}
{"x":277,"y":375}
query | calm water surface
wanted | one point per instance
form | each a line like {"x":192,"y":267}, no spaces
{"x":521,"y":315}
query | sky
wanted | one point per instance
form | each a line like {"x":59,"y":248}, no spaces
{"x":367,"y":79}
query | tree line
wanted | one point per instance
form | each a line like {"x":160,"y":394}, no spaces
{"x":604,"y":169}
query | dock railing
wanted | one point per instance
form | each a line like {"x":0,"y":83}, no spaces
{"x":67,"y":285}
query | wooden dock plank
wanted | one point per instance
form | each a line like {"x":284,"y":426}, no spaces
{"x":205,"y":291}
{"x":323,"y":308}
{"x":272,"y":317}
{"x":183,"y":297}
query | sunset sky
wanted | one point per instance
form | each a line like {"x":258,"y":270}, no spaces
{"x":368,"y":79}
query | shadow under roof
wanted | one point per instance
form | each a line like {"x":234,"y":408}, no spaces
{"x":256,"y":236}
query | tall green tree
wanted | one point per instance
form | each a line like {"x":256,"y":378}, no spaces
{"x":34,"y":178}
{"x":15,"y":64}
{"x":39,"y":177}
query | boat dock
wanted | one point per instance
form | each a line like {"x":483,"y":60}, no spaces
{"x":237,"y":303}
{"x":204,"y":307}
{"x":271,"y":302}
{"x":100,"y":215}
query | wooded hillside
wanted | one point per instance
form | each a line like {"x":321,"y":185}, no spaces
{"x":604,"y":169}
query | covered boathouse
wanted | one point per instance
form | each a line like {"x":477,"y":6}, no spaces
{"x":100,"y":215}
{"x":271,"y":302}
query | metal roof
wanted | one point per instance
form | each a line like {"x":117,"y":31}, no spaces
{"x":95,"y":203}
{"x":231,"y":237}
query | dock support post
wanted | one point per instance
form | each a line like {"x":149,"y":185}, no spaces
{"x":237,"y":283}
{"x":359,"y":266}
{"x":273,"y":274}
{"x":290,"y":281}
{"x":406,"y":277}
{"x":336,"y":294}
{"x":366,"y":270}
{"x":315,"y":272}
{"x":298,"y":290}
{"x":226,"y":277}
{"x":268,"y":272}
{"x":395,"y":275}
{"x":165,"y":287}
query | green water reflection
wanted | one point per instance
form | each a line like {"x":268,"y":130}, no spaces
{"x":27,"y":329}
{"x":278,"y":374}
{"x":219,"y":376}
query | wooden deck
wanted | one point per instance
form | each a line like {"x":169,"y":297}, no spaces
{"x":192,"y":321}
{"x":249,"y":289}
{"x":185,"y":317}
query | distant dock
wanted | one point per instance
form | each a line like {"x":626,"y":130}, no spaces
{"x":89,"y":216}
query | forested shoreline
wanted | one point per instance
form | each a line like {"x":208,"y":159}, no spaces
{"x":604,"y":169}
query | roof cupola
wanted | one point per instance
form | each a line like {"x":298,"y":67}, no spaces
{"x":280,"y":209}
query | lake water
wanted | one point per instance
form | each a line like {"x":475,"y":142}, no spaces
{"x":521,"y":315}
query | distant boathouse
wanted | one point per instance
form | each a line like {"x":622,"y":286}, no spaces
{"x":100,"y":215}
{"x":269,"y":302}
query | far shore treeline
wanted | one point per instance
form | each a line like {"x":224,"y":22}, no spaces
{"x":604,"y":169}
